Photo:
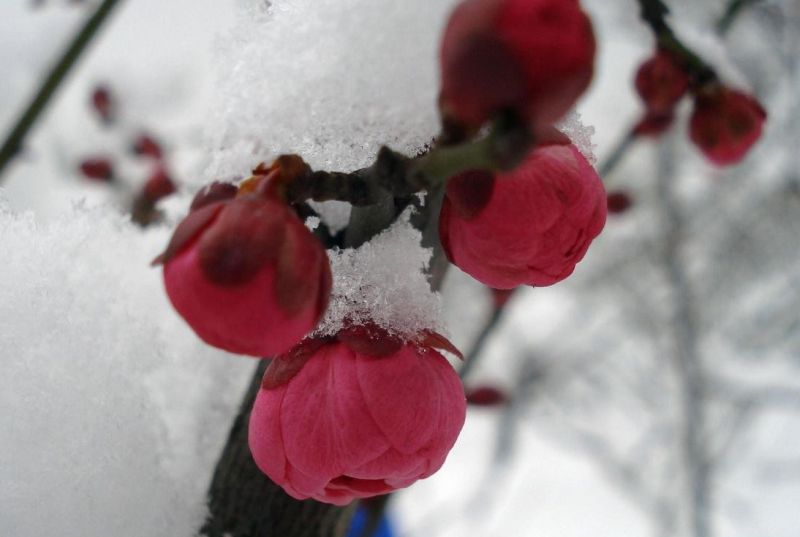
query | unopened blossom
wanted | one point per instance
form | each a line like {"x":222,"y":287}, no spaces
{"x":356,"y":416}
{"x":725,"y":124}
{"x":246,"y":273}
{"x":529,"y":226}
{"x":535,"y":57}
{"x":661,"y":82}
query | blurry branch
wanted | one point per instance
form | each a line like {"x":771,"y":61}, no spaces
{"x":735,"y":7}
{"x":474,"y":355}
{"x":686,"y":359}
{"x":654,"y":13}
{"x":15,"y":139}
{"x":617,"y":154}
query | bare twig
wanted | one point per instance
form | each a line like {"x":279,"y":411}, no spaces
{"x":732,"y":12}
{"x":686,"y":358}
{"x":52,"y":82}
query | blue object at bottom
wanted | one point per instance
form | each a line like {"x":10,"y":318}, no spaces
{"x":360,"y":518}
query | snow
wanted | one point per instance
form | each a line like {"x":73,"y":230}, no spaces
{"x":107,"y":424}
{"x":351,"y":76}
{"x":383,"y":282}
{"x":582,"y":135}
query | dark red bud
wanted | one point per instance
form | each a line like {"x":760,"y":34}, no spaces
{"x":661,"y":82}
{"x":619,"y":202}
{"x":103,"y":103}
{"x":97,"y":169}
{"x":486,"y":396}
{"x":146,"y":146}
{"x":725,"y":124}
{"x":159,"y":185}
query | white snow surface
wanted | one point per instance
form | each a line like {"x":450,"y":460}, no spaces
{"x":107,"y":424}
{"x":331,"y":80}
{"x":383,"y":282}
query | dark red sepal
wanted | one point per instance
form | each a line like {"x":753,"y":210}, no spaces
{"x":438,"y":341}
{"x":470,"y":191}
{"x":300,"y":259}
{"x":187,"y":230}
{"x":247,"y":234}
{"x":284,"y":367}
{"x":370,"y":340}
{"x":216,"y":191}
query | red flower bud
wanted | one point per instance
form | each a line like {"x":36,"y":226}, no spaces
{"x":159,"y":185}
{"x":486,"y":396}
{"x":725,"y":124}
{"x":247,"y":275}
{"x":536,"y":222}
{"x":619,"y":202}
{"x":97,"y":169}
{"x":352,"y":424}
{"x":103,"y":103}
{"x":661,"y":83}
{"x":146,"y":146}
{"x":532,"y":56}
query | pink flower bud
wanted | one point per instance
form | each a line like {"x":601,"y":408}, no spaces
{"x":661,"y":83}
{"x":725,"y":124}
{"x":531,"y":225}
{"x":97,"y":169}
{"x":532,"y":56}
{"x":355,"y":418}
{"x":247,"y":275}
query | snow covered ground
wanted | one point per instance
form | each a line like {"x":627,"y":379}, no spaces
{"x":112,"y":412}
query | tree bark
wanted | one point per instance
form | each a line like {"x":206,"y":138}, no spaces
{"x":243,"y":502}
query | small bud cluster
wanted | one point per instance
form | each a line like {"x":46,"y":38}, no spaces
{"x":725,"y":122}
{"x":100,"y":168}
{"x":363,"y":411}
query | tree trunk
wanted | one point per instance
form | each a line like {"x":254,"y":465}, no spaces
{"x":243,"y":502}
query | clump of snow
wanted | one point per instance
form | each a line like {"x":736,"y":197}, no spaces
{"x":582,"y":135}
{"x":384,"y":282}
{"x":331,"y":80}
{"x":312,"y":222}
{"x":335,"y":214}
{"x":113,"y":412}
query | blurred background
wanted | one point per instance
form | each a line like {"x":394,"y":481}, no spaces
{"x":655,"y":392}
